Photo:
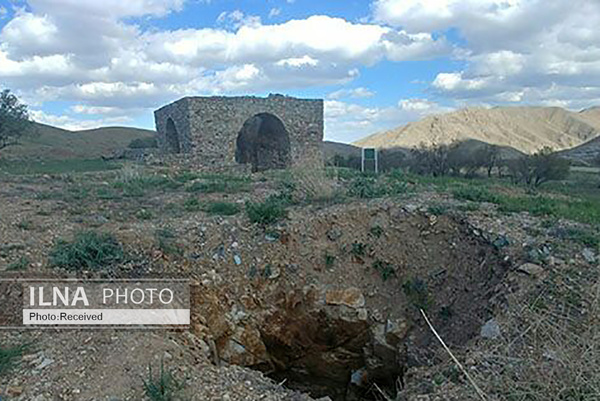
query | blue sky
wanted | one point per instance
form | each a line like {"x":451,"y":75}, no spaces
{"x":378,"y":64}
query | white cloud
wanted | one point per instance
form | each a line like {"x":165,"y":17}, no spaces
{"x":72,"y":124}
{"x":351,"y":93}
{"x":514,"y":50}
{"x":274,"y":12}
{"x":45,"y":53}
{"x":347,"y":122}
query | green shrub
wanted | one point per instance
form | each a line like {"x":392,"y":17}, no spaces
{"x":26,"y":225}
{"x":88,"y":250}
{"x":364,"y":187}
{"x":329,"y":260}
{"x":358,"y":249}
{"x":10,"y":356}
{"x":222,"y":208}
{"x":166,"y":241}
{"x":376,"y":231}
{"x":21,"y":264}
{"x":267,"y":212}
{"x":417,"y":292}
{"x":475,"y":194}
{"x":192,"y":204}
{"x":141,"y":143}
{"x":385,"y":269}
{"x":437,"y":209}
{"x":218,"y":186}
{"x":164,"y":387}
{"x":144,"y":214}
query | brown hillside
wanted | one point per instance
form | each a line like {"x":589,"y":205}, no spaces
{"x":526,"y":129}
{"x":54,"y":143}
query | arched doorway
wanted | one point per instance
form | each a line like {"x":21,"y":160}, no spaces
{"x":172,"y":137}
{"x":263,"y":142}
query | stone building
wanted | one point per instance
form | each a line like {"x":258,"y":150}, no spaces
{"x":273,"y":132}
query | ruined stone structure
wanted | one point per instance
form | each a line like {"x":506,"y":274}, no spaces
{"x":273,"y":132}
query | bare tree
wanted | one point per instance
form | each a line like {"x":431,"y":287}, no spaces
{"x":540,"y":167}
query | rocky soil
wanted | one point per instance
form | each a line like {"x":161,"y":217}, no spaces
{"x":324,"y":303}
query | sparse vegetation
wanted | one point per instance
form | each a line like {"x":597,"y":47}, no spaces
{"x":329,"y":260}
{"x":222,"y":208}
{"x":219,"y":184}
{"x":166,"y":241}
{"x":24,"y":167}
{"x":87,"y":250}
{"x":541,"y":167}
{"x":358,"y":249}
{"x":385,"y":269}
{"x":20,"y":264}
{"x":10,"y":357}
{"x":267,"y":212}
{"x":437,"y":209}
{"x":163,"y":387}
{"x":142,"y":143}
{"x":417,"y":292}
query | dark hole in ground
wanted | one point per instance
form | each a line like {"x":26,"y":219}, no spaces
{"x":264,"y":143}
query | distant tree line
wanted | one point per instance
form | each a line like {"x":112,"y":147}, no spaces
{"x":458,"y":160}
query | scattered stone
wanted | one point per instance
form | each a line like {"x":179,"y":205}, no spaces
{"x":491,"y":329}
{"x":351,"y":297}
{"x":271,"y":237}
{"x":334,"y":234}
{"x":14,"y":391}
{"x":588,"y":255}
{"x":237,"y":259}
{"x":531,"y":269}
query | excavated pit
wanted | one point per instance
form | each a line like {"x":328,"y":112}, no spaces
{"x":350,"y":329}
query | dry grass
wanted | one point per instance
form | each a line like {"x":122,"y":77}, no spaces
{"x":315,"y":185}
{"x":551,"y":349}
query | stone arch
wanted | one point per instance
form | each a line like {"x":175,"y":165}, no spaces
{"x":263,"y":142}
{"x":172,"y":137}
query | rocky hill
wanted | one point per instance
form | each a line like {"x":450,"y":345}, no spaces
{"x":526,"y":129}
{"x":586,"y":153}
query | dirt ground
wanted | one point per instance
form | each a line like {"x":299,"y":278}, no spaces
{"x":325,"y":302}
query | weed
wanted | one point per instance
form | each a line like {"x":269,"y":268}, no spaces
{"x":26,"y":225}
{"x":468,"y":207}
{"x":475,"y":194}
{"x":437,"y":209}
{"x":329,"y":261}
{"x":376,"y":231}
{"x":192,"y":204}
{"x":10,"y":357}
{"x":417,"y":292}
{"x":88,"y":250}
{"x":364,"y":187}
{"x":385,"y":269}
{"x":217,"y":186}
{"x":267,"y":212}
{"x":162,"y":388}
{"x":144,"y":214}
{"x":589,"y":238}
{"x":222,"y":208}
{"x":358,"y":249}
{"x":166,"y":241}
{"x":314,"y":185}
{"x":20,"y":264}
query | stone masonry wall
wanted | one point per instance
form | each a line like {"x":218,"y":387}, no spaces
{"x":208,"y":126}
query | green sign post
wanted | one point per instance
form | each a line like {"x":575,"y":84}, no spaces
{"x":369,"y":158}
